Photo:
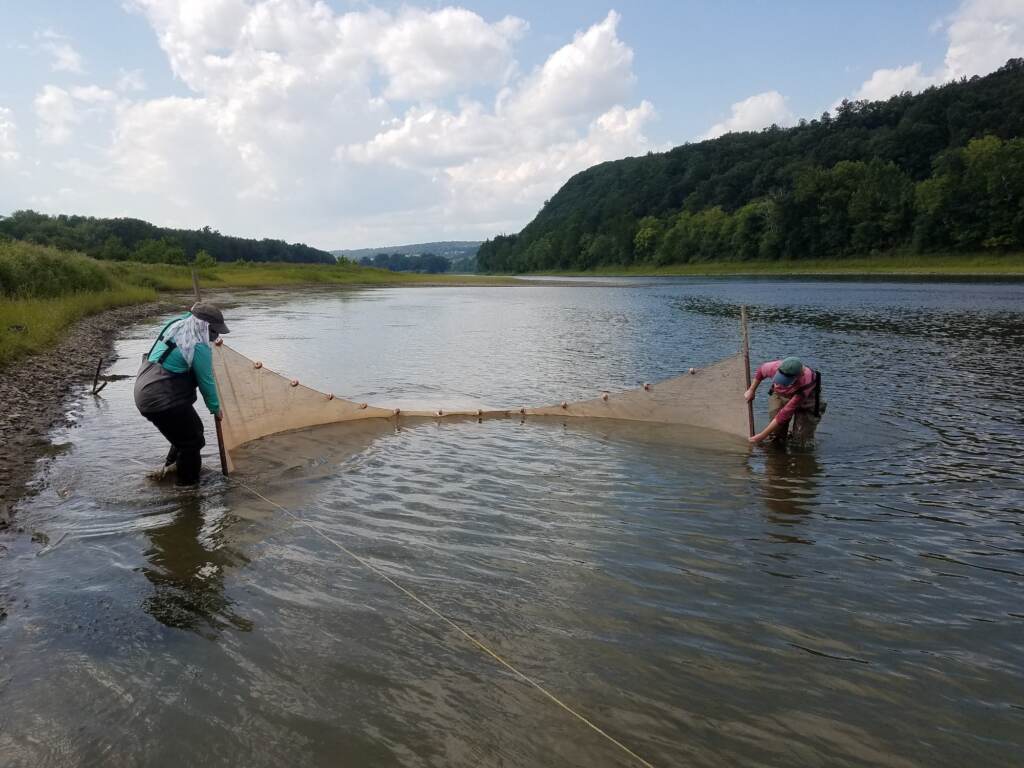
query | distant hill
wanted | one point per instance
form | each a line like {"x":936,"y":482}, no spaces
{"x":453,"y":250}
{"x":942,"y":170}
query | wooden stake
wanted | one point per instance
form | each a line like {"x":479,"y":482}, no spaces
{"x":195,"y":287}
{"x":746,"y":363}
{"x":96,"y":386}
{"x":220,"y":448}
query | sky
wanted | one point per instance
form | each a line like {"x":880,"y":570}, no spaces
{"x":348,"y":124}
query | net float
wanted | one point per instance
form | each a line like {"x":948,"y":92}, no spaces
{"x":294,"y":382}
{"x":257,"y":364}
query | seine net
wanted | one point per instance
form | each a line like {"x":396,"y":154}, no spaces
{"x":258,"y":402}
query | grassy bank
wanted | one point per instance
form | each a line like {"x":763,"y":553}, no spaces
{"x":43,"y":290}
{"x":166,"y":277}
{"x":27,"y":325}
{"x":950,"y":265}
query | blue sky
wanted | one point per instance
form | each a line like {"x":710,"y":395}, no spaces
{"x":353,"y":124}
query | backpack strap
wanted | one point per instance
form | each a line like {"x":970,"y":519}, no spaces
{"x":171,"y":346}
{"x":817,"y":394}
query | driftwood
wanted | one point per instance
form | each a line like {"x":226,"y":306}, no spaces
{"x":97,"y":387}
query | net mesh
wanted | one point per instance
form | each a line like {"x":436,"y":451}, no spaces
{"x":257,"y":402}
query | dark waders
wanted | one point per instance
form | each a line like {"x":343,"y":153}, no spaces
{"x":166,"y":399}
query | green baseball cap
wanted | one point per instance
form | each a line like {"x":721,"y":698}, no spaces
{"x":789,"y":369}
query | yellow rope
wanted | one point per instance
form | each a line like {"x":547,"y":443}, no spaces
{"x":478,"y":643}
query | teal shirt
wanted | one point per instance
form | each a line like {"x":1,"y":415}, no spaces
{"x":202,"y":366}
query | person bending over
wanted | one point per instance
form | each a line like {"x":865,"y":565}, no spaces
{"x":795,"y":395}
{"x":179,"y":362}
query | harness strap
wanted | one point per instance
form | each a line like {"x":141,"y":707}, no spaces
{"x":171,"y":346}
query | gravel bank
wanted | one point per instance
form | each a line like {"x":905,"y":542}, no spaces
{"x":33,"y":391}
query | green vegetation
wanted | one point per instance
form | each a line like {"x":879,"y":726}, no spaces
{"x":429,"y":263}
{"x":939,"y":172}
{"x":136,"y":240}
{"x":908,"y":264}
{"x":43,"y":290}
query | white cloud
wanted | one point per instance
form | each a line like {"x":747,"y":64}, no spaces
{"x":129,"y":81}
{"x":93,"y":94}
{"x":508,"y":186}
{"x":348,"y":128}
{"x":429,"y":54}
{"x":983,"y":35}
{"x":752,"y":114}
{"x":883,"y":83}
{"x":590,"y":74}
{"x":56,"y":113}
{"x":64,"y":57}
{"x":498,"y":165}
{"x":8,"y":138}
{"x":58,"y":110}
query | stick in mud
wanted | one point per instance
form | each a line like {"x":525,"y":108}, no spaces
{"x":96,"y":386}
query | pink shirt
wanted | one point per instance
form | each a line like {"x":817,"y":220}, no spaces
{"x":802,"y":387}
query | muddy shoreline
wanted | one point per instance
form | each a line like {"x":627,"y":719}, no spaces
{"x":34,"y":392}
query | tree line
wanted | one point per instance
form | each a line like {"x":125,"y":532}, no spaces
{"x":429,"y":263}
{"x":939,"y":171}
{"x":137,"y":240}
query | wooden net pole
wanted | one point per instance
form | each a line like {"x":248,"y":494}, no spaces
{"x":746,"y":364}
{"x":220,"y":448}
{"x":216,"y":421}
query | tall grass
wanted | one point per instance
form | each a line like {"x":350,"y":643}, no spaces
{"x":33,"y":271}
{"x":28,"y":325}
{"x":167,"y":277}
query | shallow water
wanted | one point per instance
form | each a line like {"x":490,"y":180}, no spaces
{"x":855,"y":603}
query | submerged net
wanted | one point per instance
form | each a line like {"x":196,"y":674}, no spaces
{"x":258,"y":402}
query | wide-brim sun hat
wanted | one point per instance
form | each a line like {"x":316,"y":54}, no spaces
{"x":211,"y":314}
{"x":789,"y":369}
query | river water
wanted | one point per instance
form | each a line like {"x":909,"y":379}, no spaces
{"x":854,"y":603}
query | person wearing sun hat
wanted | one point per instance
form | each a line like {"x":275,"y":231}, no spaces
{"x":180,"y":362}
{"x":795,"y":396}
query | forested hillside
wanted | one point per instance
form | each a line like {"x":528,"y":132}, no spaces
{"x":942,"y":170}
{"x":136,"y":240}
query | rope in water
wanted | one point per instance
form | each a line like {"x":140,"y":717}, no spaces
{"x":478,"y":643}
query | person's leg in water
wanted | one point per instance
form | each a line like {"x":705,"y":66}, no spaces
{"x":184,"y":430}
{"x":775,"y":403}
{"x":805,"y":423}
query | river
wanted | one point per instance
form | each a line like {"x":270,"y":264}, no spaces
{"x":854,"y":603}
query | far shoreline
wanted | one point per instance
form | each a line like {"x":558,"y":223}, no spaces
{"x":892,"y":265}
